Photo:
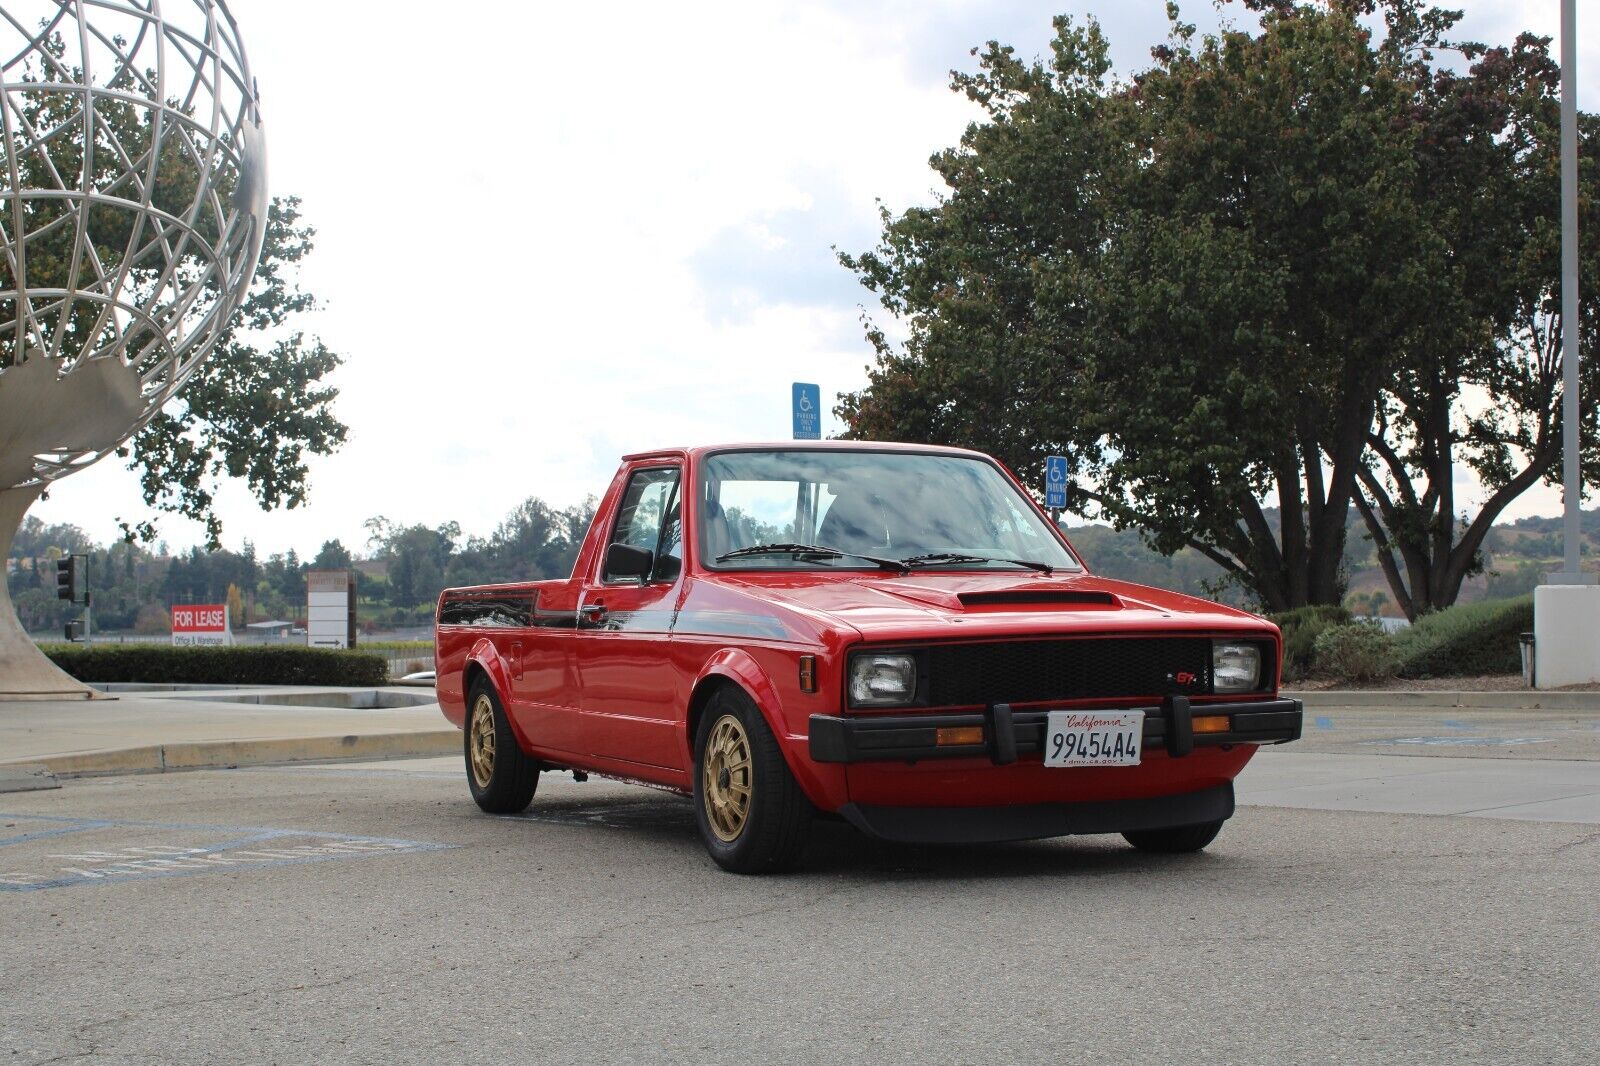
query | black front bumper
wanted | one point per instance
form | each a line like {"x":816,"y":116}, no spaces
{"x":1034,"y":821}
{"x":1008,"y":734}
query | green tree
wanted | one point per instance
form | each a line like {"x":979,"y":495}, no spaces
{"x":257,"y":409}
{"x":1481,"y":387}
{"x":1200,"y":284}
{"x":537,"y":541}
{"x":333,"y":555}
{"x":417,"y":558}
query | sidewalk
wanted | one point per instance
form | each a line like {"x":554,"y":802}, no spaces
{"x":196,"y":728}
{"x":142,"y":732}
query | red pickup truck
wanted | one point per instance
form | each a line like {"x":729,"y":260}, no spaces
{"x":896,"y":635}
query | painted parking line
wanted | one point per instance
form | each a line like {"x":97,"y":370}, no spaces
{"x":41,"y":852}
{"x":41,"y":834}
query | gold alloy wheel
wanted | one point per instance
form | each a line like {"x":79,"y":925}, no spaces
{"x":726,"y":778}
{"x":481,"y":744}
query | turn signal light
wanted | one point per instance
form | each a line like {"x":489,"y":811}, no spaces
{"x":808,"y":673}
{"x":1211,"y":723}
{"x":959,"y":734}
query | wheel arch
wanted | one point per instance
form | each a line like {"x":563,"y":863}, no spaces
{"x":707,"y":687}
{"x":470,"y":676}
{"x":737,"y":668}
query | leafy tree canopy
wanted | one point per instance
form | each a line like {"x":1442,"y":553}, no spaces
{"x":258,"y":408}
{"x":1232,"y":280}
{"x":333,"y":555}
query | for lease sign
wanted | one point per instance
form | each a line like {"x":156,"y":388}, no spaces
{"x":201,"y":623}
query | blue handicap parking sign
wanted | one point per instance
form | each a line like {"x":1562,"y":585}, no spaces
{"x":1055,"y":481}
{"x":807,"y":411}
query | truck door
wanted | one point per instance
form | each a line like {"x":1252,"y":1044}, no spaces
{"x":628,"y":687}
{"x":544,"y":682}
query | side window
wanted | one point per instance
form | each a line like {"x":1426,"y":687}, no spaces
{"x":649,"y":508}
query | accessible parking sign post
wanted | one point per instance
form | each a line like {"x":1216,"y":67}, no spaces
{"x":807,"y":404}
{"x":1055,"y":485}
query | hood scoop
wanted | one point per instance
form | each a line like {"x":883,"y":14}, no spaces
{"x":1038,"y":598}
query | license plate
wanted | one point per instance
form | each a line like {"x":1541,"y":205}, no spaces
{"x":1093,"y":738}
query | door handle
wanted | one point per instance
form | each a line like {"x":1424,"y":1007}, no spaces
{"x":592,"y":612}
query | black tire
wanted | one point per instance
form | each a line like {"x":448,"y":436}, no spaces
{"x":503,"y":778}
{"x":768,"y":834}
{"x":1177,"y":840}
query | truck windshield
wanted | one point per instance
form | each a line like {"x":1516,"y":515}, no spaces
{"x":869,"y":507}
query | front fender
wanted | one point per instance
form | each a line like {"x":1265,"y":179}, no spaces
{"x":823,"y":783}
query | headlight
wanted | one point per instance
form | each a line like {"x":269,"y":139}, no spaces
{"x":883,"y":680}
{"x":1235,"y":667}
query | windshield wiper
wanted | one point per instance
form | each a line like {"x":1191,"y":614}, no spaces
{"x":959,"y":557}
{"x":818,"y":550}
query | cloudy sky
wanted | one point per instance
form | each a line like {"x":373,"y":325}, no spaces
{"x":551,"y":234}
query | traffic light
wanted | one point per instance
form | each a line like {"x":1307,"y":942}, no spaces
{"x":74,"y":631}
{"x":66,"y":578}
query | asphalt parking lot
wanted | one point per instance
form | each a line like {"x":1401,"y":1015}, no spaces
{"x":370,"y":913}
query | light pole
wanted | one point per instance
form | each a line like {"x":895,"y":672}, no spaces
{"x":1566,"y":609}
{"x":1571,"y":527}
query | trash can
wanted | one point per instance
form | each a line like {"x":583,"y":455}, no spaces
{"x":1529,"y":678}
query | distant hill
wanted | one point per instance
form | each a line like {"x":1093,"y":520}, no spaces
{"x":1516,"y":556}
{"x":1122,"y":554}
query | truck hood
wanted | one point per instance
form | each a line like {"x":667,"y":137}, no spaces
{"x":949,"y":605}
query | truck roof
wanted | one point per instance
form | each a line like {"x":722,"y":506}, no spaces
{"x":800,"y":446}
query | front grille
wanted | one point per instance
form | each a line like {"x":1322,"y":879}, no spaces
{"x":1038,"y":670}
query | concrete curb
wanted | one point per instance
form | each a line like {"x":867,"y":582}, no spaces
{"x":223,"y":754}
{"x":26,"y":777}
{"x":1529,"y":700}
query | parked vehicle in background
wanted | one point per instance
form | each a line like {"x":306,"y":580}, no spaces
{"x":894,"y":634}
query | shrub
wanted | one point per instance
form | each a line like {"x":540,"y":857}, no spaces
{"x":1357,"y":652}
{"x":1300,"y":629}
{"x":165,"y":664}
{"x":1466,"y":640}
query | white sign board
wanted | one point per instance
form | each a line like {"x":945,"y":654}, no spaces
{"x":330,"y":609}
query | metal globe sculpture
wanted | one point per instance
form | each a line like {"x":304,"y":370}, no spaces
{"x":133,"y":205}
{"x":132,"y":209}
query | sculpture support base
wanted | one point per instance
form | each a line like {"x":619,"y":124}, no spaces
{"x":25,"y":672}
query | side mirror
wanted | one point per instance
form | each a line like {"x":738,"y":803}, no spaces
{"x":624,"y":560}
